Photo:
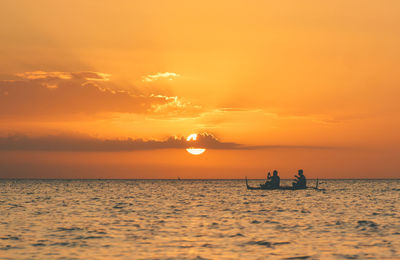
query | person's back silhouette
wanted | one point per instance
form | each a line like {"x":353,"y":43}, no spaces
{"x":300,"y":182}
{"x":275,"y":180}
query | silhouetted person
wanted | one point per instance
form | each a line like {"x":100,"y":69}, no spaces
{"x":275,"y":180}
{"x":268,"y":181}
{"x":300,"y":182}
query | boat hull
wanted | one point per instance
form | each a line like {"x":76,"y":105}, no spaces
{"x":280,"y":188}
{"x":262,"y":187}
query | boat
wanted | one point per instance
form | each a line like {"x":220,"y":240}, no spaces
{"x":265,"y":187}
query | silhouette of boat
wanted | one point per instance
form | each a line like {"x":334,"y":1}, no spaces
{"x":265,"y":187}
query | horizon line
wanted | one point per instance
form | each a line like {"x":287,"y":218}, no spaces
{"x":189,"y":179}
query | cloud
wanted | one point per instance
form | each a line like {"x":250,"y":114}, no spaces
{"x":87,"y":75}
{"x":86,"y":143}
{"x":18,"y":142}
{"x":160,"y":75}
{"x":174,"y":106}
{"x":42,"y":93}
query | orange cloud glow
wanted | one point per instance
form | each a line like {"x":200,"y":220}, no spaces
{"x":282,"y":84}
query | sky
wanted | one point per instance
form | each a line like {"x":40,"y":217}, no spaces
{"x":111,"y":89}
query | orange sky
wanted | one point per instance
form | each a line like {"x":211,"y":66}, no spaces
{"x":310,"y":85}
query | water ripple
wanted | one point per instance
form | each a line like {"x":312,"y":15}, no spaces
{"x":189,"y":219}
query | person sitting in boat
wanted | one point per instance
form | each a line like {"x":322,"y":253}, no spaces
{"x":273,"y":181}
{"x":267,"y":182}
{"x":300,"y":182}
{"x":268,"y":177}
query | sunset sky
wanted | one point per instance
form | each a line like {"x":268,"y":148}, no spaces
{"x":111,"y":89}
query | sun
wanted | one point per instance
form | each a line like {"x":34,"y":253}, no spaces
{"x":193,"y":150}
{"x":196,"y":151}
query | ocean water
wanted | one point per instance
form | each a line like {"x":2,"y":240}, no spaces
{"x":197,"y":219}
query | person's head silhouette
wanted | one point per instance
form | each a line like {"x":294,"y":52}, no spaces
{"x":275,"y":172}
{"x":300,"y":172}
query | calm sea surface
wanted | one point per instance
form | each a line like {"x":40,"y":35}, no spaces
{"x":214,"y":219}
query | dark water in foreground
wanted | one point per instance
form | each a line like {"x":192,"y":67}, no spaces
{"x":218,"y":219}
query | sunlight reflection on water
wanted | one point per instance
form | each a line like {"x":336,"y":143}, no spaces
{"x":197,"y":219}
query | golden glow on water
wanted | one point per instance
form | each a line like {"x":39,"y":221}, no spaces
{"x":147,"y":219}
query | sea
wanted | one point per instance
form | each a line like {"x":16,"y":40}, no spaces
{"x":198,"y":219}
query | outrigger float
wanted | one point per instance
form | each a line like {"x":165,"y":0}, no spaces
{"x":265,"y":187}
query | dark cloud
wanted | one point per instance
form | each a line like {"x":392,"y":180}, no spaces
{"x":84,"y":143}
{"x":57,"y":93}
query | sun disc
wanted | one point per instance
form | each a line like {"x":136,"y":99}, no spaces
{"x":196,"y":151}
{"x":193,"y":149}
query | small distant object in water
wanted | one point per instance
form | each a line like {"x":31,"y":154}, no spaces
{"x":179,"y":178}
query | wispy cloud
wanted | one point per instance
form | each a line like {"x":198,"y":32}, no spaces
{"x":160,"y":75}
{"x":87,"y":75}
{"x":175,"y":106}
{"x":42,"y":93}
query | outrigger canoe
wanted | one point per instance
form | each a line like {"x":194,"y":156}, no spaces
{"x":264,"y":187}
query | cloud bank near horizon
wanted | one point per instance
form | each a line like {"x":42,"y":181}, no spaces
{"x":70,"y":143}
